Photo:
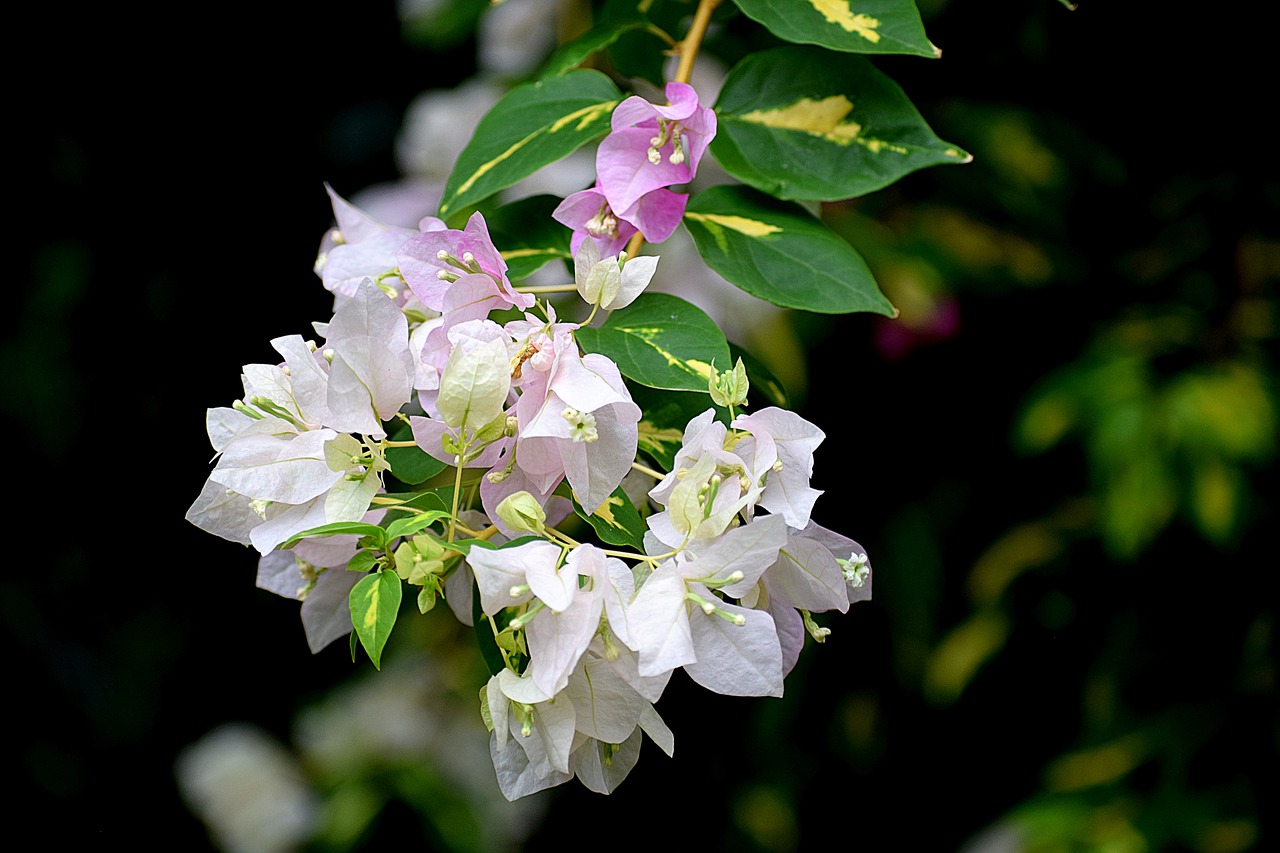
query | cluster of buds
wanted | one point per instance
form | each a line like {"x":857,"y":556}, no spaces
{"x":586,"y":636}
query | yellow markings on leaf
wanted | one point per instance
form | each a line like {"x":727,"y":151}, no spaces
{"x":824,"y":119}
{"x":584,"y":117}
{"x":701,"y":367}
{"x":750,"y":227}
{"x":652,"y":437}
{"x":838,"y":12}
{"x":648,"y":334}
{"x":526,"y":253}
{"x":371,"y":612}
{"x":487,"y":167}
{"x":605,"y":512}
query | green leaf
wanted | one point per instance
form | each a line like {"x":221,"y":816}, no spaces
{"x":781,"y":253}
{"x":414,"y":524}
{"x":363,"y":561}
{"x":411,"y":465}
{"x":434,"y":499}
{"x":852,"y":26}
{"x":572,"y":54}
{"x":375,"y":603}
{"x":527,"y":235}
{"x":357,"y":528}
{"x":616,"y":521}
{"x":661,"y":341}
{"x":803,"y":123}
{"x":531,"y":126}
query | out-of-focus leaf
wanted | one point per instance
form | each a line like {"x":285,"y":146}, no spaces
{"x":961,"y":653}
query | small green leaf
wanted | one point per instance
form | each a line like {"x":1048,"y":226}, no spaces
{"x":527,"y":235}
{"x":533,"y":125}
{"x":363,"y":561}
{"x":375,"y":603}
{"x":855,"y":26}
{"x":803,"y":123}
{"x":411,"y":465}
{"x":570,"y":55}
{"x":661,"y":341}
{"x":337,"y":528}
{"x":779,"y":252}
{"x":433,"y":499}
{"x":414,"y":524}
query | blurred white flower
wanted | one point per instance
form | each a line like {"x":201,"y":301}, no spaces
{"x":248,"y":790}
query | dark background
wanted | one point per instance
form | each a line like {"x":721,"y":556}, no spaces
{"x":170,"y":163}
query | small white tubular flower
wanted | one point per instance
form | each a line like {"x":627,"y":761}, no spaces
{"x":582,"y":425}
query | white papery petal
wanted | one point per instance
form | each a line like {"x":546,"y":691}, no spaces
{"x":607,"y":707}
{"x":497,"y":571}
{"x":659,"y":623}
{"x":736,"y":660}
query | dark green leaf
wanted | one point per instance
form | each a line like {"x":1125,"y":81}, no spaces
{"x":572,"y":54}
{"x":410,"y":465}
{"x":855,"y":26}
{"x":781,"y":253}
{"x":531,"y":126}
{"x":616,"y":521}
{"x":803,"y":123}
{"x":661,"y":341}
{"x":527,"y":235}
